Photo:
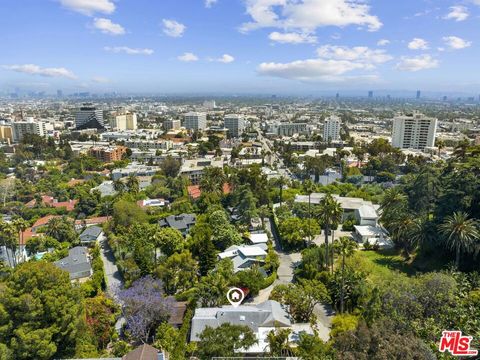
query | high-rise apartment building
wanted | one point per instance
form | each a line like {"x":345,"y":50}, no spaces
{"x":414,"y":131}
{"x":195,"y":121}
{"x":370,"y":94}
{"x":171,"y":124}
{"x":287,"y":129}
{"x":419,"y":94}
{"x":126,"y":121}
{"x":6,"y":133}
{"x":235,"y":124}
{"x":30,"y":126}
{"x":331,"y":128}
{"x":88,"y":117}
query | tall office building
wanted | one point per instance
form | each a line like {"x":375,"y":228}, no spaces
{"x":126,"y":121}
{"x":88,"y":117}
{"x":331,"y":128}
{"x":419,"y":94}
{"x":59,"y":93}
{"x":415,"y":131}
{"x":235,"y":124}
{"x":30,"y":126}
{"x":370,"y":94}
{"x":195,"y":121}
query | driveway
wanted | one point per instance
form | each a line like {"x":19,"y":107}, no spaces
{"x":113,"y":277}
{"x":288,"y":262}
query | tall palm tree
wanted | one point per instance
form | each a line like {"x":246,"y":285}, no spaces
{"x":133,"y":184}
{"x":344,"y":247}
{"x":309,"y":188}
{"x":263,"y":212}
{"x":461,"y":233}
{"x":8,"y":239}
{"x":118,"y":186}
{"x":20,"y":225}
{"x":330,"y":213}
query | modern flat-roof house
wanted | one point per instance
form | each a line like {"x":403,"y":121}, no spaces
{"x":261,"y":319}
{"x":365,"y":212}
{"x":245,"y":256}
{"x":91,"y":234}
{"x":77,"y":264}
{"x":182,"y":222}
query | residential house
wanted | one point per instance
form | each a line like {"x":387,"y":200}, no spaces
{"x":106,"y":188}
{"x":153,"y":203}
{"x":52,"y":202}
{"x":91,"y":234}
{"x":145,"y":352}
{"x":365,"y":212}
{"x":77,"y":264}
{"x":182,"y":222}
{"x":245,"y":256}
{"x":258,"y":238}
{"x":261,"y":319}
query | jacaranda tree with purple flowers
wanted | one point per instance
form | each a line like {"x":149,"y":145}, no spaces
{"x":145,"y":306}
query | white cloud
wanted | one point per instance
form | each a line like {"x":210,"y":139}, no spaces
{"x":383,"y":42}
{"x":188,"y":57}
{"x":418,"y":44}
{"x":210,"y":3}
{"x":106,"y":26}
{"x":128,"y":50}
{"x":89,"y":7}
{"x":361,"y":54}
{"x":308,"y":15}
{"x":173,"y":28}
{"x":37,"y":70}
{"x":226,"y":59}
{"x":292,"y":38}
{"x":332,"y":65}
{"x":456,"y":43}
{"x":100,"y":80}
{"x":457,"y":13}
{"x":417,"y":63}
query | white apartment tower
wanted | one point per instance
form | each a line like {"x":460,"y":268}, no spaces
{"x":195,"y":121}
{"x":30,"y":126}
{"x":415,"y":131}
{"x":331,"y":128}
{"x":127,"y":121}
{"x":235,"y":124}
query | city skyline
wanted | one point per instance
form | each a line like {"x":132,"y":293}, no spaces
{"x":240,"y":46}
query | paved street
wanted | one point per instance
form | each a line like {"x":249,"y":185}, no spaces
{"x":113,"y":277}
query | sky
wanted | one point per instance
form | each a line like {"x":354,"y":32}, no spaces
{"x":240,"y":46}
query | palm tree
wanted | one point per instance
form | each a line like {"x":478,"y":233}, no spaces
{"x":20,"y":225}
{"x":394,"y":202}
{"x":344,"y":247}
{"x":461,"y":233}
{"x":8,"y":239}
{"x":118,"y":186}
{"x":330,"y":213}
{"x":309,"y":187}
{"x":133,"y":184}
{"x":263,"y":212}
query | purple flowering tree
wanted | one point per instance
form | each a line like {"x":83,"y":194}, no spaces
{"x":145,"y":306}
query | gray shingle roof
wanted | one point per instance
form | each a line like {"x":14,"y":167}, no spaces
{"x":180,"y":222}
{"x":267,"y":314}
{"x":91,"y":233}
{"x":76,"y":263}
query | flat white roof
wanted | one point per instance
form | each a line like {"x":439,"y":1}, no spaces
{"x":261,"y":238}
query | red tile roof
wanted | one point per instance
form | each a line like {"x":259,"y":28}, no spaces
{"x":195,"y":192}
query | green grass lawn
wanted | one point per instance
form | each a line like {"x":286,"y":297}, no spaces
{"x":380,"y":266}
